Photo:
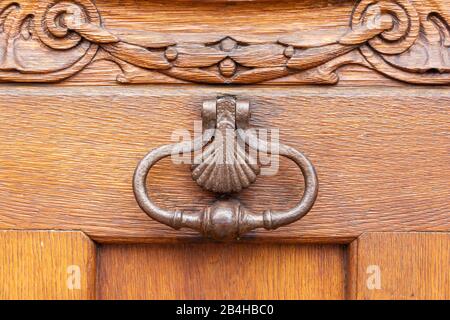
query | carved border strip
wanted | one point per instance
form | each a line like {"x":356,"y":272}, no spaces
{"x":51,"y":40}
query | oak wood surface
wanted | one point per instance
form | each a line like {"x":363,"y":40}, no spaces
{"x":44,"y":265}
{"x":68,"y":157}
{"x":411,"y":266}
{"x":221,"y":271}
{"x":380,"y":146}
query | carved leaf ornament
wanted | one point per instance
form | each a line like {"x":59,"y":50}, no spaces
{"x":51,"y":40}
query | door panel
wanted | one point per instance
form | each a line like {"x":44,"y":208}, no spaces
{"x":408,"y":266}
{"x":67,"y":265}
{"x":221,"y":271}
{"x":46,"y":265}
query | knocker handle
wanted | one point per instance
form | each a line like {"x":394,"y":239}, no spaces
{"x":227,"y":218}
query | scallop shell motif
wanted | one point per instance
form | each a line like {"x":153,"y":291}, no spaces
{"x":224,"y":166}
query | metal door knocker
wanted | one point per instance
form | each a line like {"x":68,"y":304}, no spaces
{"x":225,"y":166}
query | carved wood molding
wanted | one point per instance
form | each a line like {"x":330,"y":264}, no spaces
{"x":51,"y":40}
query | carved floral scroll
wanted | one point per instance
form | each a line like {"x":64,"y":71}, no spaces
{"x":51,"y":40}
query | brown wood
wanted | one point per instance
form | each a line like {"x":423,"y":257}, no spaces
{"x":412,"y":266}
{"x":46,"y":264}
{"x":378,"y":138}
{"x":221,"y":271}
{"x":68,"y":157}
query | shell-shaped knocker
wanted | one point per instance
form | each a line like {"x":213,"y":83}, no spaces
{"x":225,"y":166}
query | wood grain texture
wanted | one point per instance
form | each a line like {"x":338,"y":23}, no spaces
{"x":283,"y":42}
{"x":68,"y":157}
{"x":37,"y":265}
{"x":412,"y":265}
{"x":221,"y":271}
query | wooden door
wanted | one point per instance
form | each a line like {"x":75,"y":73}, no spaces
{"x":89,"y":88}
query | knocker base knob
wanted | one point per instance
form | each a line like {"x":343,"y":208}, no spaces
{"x":228,"y":219}
{"x":221,"y":220}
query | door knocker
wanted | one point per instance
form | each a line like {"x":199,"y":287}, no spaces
{"x":224,"y":166}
